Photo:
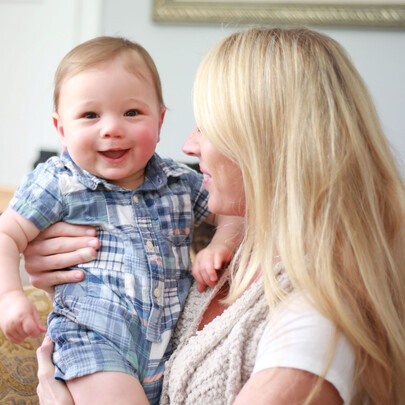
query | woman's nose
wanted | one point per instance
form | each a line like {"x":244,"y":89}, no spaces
{"x":192,"y":147}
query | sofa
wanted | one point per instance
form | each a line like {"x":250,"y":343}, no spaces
{"x":18,"y":363}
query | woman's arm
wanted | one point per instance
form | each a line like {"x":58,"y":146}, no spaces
{"x":61,"y":245}
{"x":286,"y":386}
{"x":296,"y":347}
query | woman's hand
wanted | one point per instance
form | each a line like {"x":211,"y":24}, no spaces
{"x":59,"y":246}
{"x":50,"y":391}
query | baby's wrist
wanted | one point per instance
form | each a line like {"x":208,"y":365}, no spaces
{"x":8,"y":294}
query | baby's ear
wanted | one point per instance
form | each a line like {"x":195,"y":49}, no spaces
{"x":57,"y":123}
{"x":162,"y":113}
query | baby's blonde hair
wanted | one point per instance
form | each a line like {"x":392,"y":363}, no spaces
{"x":101,"y":50}
{"x":322,"y":188}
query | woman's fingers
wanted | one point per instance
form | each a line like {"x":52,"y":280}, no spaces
{"x":54,"y":252}
{"x":64,"y":229}
{"x":35,"y":262}
{"x":48,"y":280}
{"x":57,"y":246}
{"x":44,"y":356}
{"x":46,"y":247}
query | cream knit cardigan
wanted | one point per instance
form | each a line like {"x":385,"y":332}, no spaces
{"x":210,"y":367}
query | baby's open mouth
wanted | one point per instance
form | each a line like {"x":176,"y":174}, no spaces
{"x":114,"y":154}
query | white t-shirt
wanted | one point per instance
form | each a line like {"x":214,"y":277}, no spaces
{"x":298,"y":336}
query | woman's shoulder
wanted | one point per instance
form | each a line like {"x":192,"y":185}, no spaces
{"x":301,"y":337}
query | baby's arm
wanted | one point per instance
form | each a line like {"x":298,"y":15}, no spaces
{"x":220,"y":251}
{"x":19,"y":318}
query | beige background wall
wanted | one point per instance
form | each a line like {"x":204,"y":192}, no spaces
{"x":35,"y":34}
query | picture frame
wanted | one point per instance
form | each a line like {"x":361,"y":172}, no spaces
{"x":331,"y":13}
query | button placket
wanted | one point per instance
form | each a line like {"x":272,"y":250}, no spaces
{"x":144,"y":215}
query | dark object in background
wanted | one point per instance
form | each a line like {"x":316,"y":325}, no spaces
{"x":204,"y":232}
{"x":44,"y":155}
{"x":202,"y":236}
{"x":194,"y":166}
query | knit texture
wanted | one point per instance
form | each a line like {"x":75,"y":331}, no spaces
{"x":212,"y":365}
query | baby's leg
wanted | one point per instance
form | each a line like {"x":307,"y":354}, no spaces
{"x":107,"y":387}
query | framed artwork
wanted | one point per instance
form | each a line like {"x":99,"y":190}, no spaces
{"x":331,"y":13}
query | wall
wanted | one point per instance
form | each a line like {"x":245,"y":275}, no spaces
{"x":177,"y":50}
{"x":35,"y":34}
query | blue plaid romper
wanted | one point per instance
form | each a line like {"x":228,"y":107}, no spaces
{"x":121,"y":317}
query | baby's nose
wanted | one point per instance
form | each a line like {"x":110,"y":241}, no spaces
{"x":111,"y":127}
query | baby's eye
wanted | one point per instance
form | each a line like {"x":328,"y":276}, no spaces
{"x":90,"y":115}
{"x":131,"y":113}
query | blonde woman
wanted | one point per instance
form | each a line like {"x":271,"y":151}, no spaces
{"x":313,"y":309}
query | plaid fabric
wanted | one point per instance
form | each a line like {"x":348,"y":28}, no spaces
{"x":122,"y":315}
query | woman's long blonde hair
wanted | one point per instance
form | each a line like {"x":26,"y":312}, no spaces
{"x":323,"y":190}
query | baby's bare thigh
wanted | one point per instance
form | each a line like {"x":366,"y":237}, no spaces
{"x":107,"y":387}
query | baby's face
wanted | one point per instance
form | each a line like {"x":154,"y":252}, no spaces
{"x":109,"y":120}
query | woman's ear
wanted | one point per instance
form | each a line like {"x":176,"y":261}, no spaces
{"x":57,"y":123}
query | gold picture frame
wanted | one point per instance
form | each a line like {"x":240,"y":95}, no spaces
{"x":331,"y":13}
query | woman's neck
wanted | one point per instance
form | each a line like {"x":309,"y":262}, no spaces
{"x":215,"y":307}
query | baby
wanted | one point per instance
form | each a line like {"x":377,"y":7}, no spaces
{"x":112,"y":331}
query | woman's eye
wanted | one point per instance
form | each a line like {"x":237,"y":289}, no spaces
{"x":90,"y":115}
{"x":132,"y":113}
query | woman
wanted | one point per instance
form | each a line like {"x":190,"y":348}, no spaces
{"x":288,"y":138}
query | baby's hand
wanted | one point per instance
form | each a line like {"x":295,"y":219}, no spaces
{"x":207,"y":262}
{"x":19,"y":317}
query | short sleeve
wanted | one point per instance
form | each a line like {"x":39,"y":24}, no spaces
{"x":38,"y":198}
{"x":298,"y":336}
